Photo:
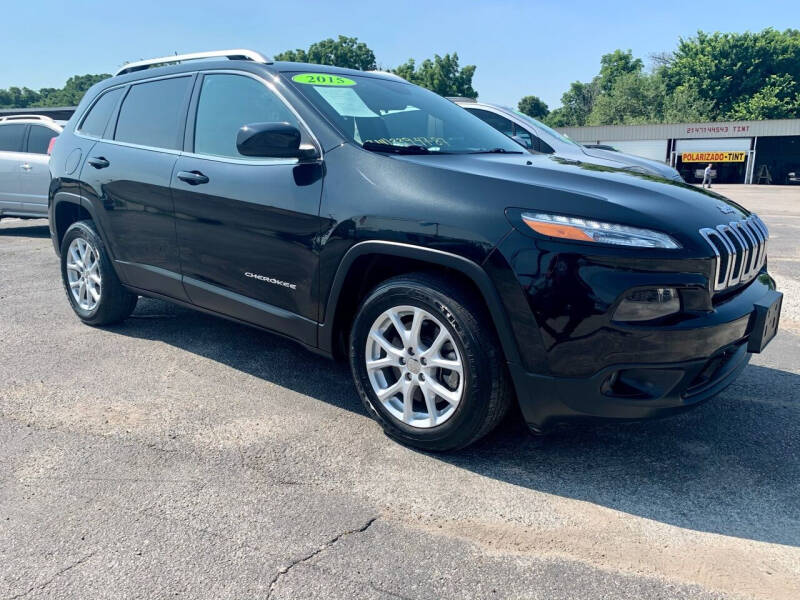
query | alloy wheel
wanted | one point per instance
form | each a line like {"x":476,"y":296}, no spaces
{"x":414,"y":366}
{"x":83,"y":273}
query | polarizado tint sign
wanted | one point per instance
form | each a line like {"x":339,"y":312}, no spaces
{"x":700,"y":157}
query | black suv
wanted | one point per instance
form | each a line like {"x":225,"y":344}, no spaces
{"x":368,"y":218}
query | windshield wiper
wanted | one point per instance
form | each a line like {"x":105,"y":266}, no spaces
{"x":381,"y":147}
{"x":497,"y":151}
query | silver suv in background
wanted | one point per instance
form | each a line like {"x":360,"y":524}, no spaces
{"x":24,"y":169}
{"x":538,"y":137}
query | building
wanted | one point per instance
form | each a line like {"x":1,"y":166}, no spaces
{"x":759,"y":152}
{"x":57,"y":113}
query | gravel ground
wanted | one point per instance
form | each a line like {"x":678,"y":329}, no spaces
{"x":181,"y":455}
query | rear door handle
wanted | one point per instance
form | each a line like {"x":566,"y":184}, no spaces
{"x":98,"y":162}
{"x":192,"y":177}
{"x":25,"y":167}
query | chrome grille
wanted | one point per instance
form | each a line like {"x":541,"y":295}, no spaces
{"x":740,"y":248}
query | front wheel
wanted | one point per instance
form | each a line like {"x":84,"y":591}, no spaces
{"x":427,"y":363}
{"x":93,"y":288}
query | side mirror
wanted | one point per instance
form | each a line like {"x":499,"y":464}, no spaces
{"x":272,"y":140}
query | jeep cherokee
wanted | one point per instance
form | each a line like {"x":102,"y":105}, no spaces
{"x":368,"y":218}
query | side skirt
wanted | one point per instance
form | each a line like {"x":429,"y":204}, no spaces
{"x":236,"y":318}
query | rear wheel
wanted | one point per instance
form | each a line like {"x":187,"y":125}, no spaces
{"x":427,"y":364}
{"x":93,"y":288}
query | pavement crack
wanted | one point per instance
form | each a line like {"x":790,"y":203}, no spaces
{"x":330,"y":543}
{"x":43,"y":585}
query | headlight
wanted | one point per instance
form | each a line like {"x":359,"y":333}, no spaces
{"x":646,"y":305}
{"x":589,"y":230}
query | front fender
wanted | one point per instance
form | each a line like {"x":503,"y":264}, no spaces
{"x":435,"y":257}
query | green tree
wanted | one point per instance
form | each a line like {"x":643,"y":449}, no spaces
{"x":557,"y":118}
{"x":684,"y":105}
{"x":577,"y":103}
{"x":15,"y":97}
{"x":441,"y":75}
{"x":779,"y":98}
{"x":345,"y":52}
{"x":734,"y":71}
{"x":634,"y":98}
{"x":533,"y":106}
{"x":620,"y":93}
{"x":71,"y":93}
{"x":615,"y":65}
{"x":298,"y":55}
{"x":709,"y":77}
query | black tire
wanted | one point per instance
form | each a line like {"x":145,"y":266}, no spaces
{"x":115,"y":303}
{"x":487,"y":394}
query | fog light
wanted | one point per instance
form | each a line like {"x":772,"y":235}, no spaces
{"x":646,"y":305}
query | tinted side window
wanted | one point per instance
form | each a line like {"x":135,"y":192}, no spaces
{"x":226,"y":103}
{"x":39,"y":139}
{"x":11,"y":137}
{"x":502,"y":124}
{"x":525,"y":136}
{"x":545,"y":147}
{"x":94,"y":123}
{"x":152,"y":115}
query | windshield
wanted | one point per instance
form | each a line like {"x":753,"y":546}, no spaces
{"x":546,"y":129}
{"x":394,"y":116}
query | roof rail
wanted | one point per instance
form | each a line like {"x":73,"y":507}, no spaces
{"x":461,"y":99}
{"x":26,"y":118}
{"x":237,"y":54}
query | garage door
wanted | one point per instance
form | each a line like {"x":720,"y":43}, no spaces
{"x":652,"y":149}
{"x":713,"y":145}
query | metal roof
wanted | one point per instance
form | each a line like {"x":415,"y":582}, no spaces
{"x":59,"y":113}
{"x":666,"y":131}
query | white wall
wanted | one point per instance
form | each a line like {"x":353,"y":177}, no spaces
{"x":652,"y":149}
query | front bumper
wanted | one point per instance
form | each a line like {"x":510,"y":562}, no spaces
{"x":709,"y":357}
{"x":627,"y":392}
{"x":577,"y":363}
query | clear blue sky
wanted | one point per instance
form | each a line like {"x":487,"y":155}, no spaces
{"x":520,"y":47}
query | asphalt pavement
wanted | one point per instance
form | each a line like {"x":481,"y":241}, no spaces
{"x":181,"y":455}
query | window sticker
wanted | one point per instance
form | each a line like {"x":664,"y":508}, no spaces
{"x":345,"y":101}
{"x":322,"y":79}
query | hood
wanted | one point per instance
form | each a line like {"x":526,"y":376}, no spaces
{"x":558,"y":185}
{"x":629,"y":160}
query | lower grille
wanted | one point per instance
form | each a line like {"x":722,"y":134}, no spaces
{"x":740,"y":248}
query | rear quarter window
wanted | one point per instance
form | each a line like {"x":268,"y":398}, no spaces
{"x":39,"y":139}
{"x":152,"y":113}
{"x":95,"y":121}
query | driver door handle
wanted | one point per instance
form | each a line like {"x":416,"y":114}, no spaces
{"x":98,"y":162}
{"x":192,"y":177}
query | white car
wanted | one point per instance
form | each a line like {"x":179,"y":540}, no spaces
{"x":24,"y":169}
{"x":538,"y":137}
